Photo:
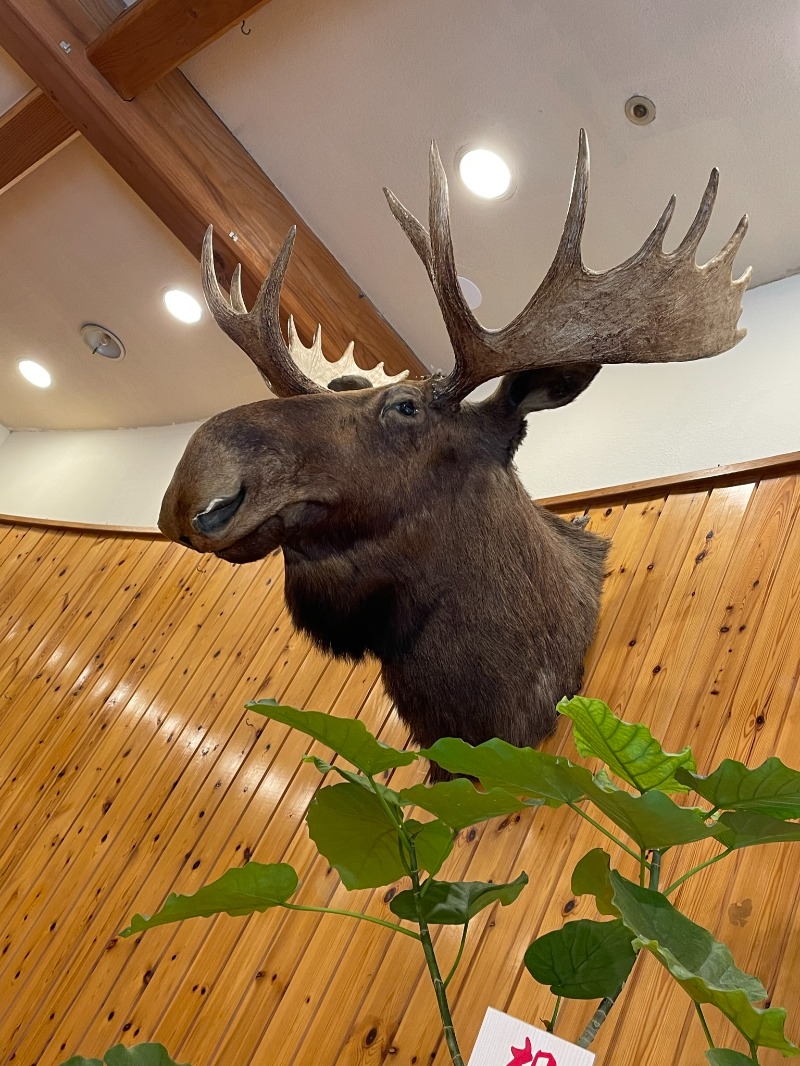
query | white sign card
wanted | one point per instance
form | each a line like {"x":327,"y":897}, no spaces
{"x":506,"y":1041}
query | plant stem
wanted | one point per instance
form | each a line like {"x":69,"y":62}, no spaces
{"x":602,"y":1012}
{"x":655,"y":870}
{"x":704,"y":1024}
{"x":597,"y":1019}
{"x":604,"y":831}
{"x":433,"y":966}
{"x":642,"y":868}
{"x":353,"y":914}
{"x":551,"y":1026}
{"x":454,"y":967}
{"x":696,"y":870}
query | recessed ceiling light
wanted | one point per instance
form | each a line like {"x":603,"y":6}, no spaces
{"x":183,"y":306}
{"x":35,"y":373}
{"x":485,"y":173}
{"x":102,"y":341}
{"x":472,"y":294}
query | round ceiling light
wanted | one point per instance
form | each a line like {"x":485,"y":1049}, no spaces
{"x":183,"y":306}
{"x":35,"y":373}
{"x":485,"y":173}
{"x":102,"y":341}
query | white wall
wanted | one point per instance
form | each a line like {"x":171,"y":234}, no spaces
{"x":633,"y":423}
{"x":108,"y":477}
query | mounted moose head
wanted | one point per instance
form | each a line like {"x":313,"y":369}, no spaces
{"x":405,"y":530}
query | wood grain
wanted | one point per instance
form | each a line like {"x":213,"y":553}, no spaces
{"x":190,"y":170}
{"x":31,"y":131}
{"x":129,"y":769}
{"x":155,"y":36}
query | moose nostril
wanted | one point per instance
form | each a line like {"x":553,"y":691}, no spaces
{"x":218,"y":513}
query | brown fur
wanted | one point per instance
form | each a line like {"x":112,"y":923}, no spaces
{"x":410,"y":537}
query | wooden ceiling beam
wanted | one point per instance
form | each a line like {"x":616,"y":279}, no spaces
{"x":186,"y":165}
{"x":154,"y":37}
{"x":30,"y":132}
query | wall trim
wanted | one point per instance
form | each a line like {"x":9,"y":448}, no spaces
{"x":694,"y":481}
{"x":733,"y":474}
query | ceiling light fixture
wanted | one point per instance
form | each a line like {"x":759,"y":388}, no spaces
{"x":183,"y":306}
{"x":35,"y":373}
{"x":102,"y":341}
{"x":640,"y":110}
{"x":484,"y":173}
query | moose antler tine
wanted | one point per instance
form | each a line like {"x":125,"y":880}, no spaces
{"x":688,"y":246}
{"x":728,"y":253}
{"x":568,"y":257}
{"x":655,"y":240}
{"x":416,"y":233}
{"x":237,"y":299}
{"x":215,"y":297}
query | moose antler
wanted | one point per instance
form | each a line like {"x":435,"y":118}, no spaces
{"x":257,"y":332}
{"x":288,"y":370}
{"x":655,"y":307}
{"x":315,"y":365}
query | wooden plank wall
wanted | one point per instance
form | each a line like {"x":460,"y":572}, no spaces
{"x":128,"y":769}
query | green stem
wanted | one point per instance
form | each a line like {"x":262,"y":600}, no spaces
{"x":655,"y":870}
{"x":697,"y":869}
{"x":704,"y":1024}
{"x":603,"y":830}
{"x":597,"y":1019}
{"x":352,"y":914}
{"x":642,"y":868}
{"x":602,"y":1012}
{"x":551,"y":1025}
{"x":433,"y":966}
{"x":402,"y":839}
{"x":454,"y":967}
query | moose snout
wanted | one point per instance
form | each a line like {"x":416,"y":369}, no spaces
{"x":218,"y":513}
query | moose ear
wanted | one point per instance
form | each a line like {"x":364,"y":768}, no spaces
{"x":542,"y":388}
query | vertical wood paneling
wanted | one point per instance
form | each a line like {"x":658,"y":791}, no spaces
{"x":129,"y":769}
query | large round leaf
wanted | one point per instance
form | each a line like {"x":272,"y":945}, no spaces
{"x":628,"y":749}
{"x":583,"y":959}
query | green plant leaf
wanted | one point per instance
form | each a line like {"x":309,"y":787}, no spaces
{"x":459,"y":803}
{"x":521,"y":771}
{"x":433,"y":842}
{"x":243,"y":890}
{"x":351,"y":828}
{"x":455,"y":902}
{"x":347,"y":736}
{"x":652,"y":820}
{"x":389,"y":794}
{"x":721,"y":1056}
{"x":701,"y":965}
{"x":771,"y":788}
{"x":119,"y":1055}
{"x":743,"y":829}
{"x":139,"y":1055}
{"x":583,"y":959}
{"x":628,"y":749}
{"x":591,"y":878}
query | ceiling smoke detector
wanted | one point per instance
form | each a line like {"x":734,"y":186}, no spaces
{"x":102,"y":341}
{"x":640,"y":110}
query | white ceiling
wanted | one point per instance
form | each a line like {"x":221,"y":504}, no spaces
{"x":335,"y":98}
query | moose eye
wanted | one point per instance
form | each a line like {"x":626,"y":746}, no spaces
{"x":407,"y":408}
